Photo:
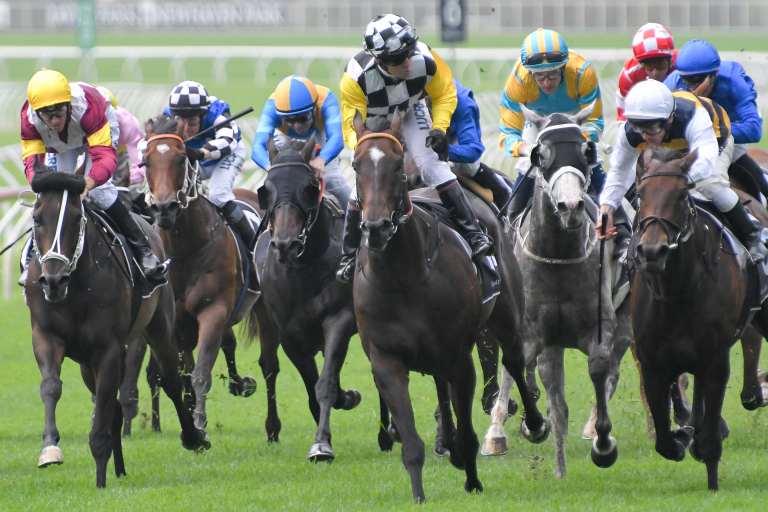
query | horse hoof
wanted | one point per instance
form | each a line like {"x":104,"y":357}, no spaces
{"x":473,"y":486}
{"x":494,"y":446}
{"x":684,"y":436}
{"x":320,"y":452}
{"x":535,"y":437}
{"x":393,"y":433}
{"x":273,"y":437}
{"x":50,"y":455}
{"x":441,"y":451}
{"x":605,"y":458}
{"x":248,"y":387}
{"x":351,"y":399}
{"x":198,"y":441}
{"x":385,"y":441}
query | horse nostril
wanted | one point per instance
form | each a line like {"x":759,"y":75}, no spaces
{"x":580,"y":204}
{"x":663,"y":250}
{"x":561,"y":206}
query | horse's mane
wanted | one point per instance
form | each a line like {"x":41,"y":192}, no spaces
{"x":49,"y":181}
{"x":162,"y":124}
{"x":377,"y":124}
{"x":666,"y":154}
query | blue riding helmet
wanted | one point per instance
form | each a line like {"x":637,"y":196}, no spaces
{"x":697,"y":57}
{"x":544,"y":50}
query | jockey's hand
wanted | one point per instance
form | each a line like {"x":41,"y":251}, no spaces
{"x":196,"y":154}
{"x":610,"y":229}
{"x":89,"y":185}
{"x":318,"y":165}
{"x":438,"y":141}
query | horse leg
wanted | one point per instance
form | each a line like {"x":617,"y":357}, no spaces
{"x":270,"y":367}
{"x":445,"y":428}
{"x":305,"y":364}
{"x":154,"y":381}
{"x":649,"y":429}
{"x":464,"y":448}
{"x":657,"y":386}
{"x":238,"y":386}
{"x":604,"y":447}
{"x":495,"y":440}
{"x":707,"y":441}
{"x":680,"y":405}
{"x":386,"y":439}
{"x":129,"y":391}
{"x":117,"y":442}
{"x":752,"y":393}
{"x":550,"y":363}
{"x":488,"y":354}
{"x":107,"y":371}
{"x":391,"y":377}
{"x":336,"y":331}
{"x":530,"y":379}
{"x":49,"y":354}
{"x":211,"y":322}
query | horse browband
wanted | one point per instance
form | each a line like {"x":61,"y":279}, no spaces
{"x":166,"y":136}
{"x":380,"y":135}
{"x":661,"y":174}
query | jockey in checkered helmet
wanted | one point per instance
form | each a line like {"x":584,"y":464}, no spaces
{"x":389,"y":38}
{"x":188,"y":99}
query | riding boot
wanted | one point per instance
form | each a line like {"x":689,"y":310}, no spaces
{"x":457,"y":203}
{"x":350,"y":242}
{"x":521,"y":194}
{"x":151,"y":266}
{"x":754,"y":169}
{"x":235,"y":217}
{"x":749,"y":231}
{"x":492,"y":180}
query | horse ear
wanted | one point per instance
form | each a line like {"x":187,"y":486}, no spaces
{"x":687,"y":161}
{"x":358,"y":123}
{"x":264,"y":197}
{"x":308,"y":150}
{"x":394,"y":125}
{"x":272,"y":149}
{"x":645,"y":159}
{"x":532,"y":116}
{"x":584,"y":113}
{"x":149,"y":127}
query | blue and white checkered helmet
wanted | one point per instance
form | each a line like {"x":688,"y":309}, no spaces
{"x":388,"y":34}
{"x":188,"y":97}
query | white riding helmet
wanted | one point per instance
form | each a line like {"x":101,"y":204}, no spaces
{"x":649,"y":100}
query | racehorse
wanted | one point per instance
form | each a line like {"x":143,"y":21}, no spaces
{"x":554,"y":246}
{"x":418,"y":306}
{"x":83,"y":305}
{"x":691,"y":296}
{"x":210,"y":277}
{"x":297,"y":256}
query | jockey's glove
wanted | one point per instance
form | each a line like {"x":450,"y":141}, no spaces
{"x":438,"y":141}
{"x":195,"y":154}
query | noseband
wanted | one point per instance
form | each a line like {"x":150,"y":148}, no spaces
{"x":188,"y":191}
{"x":54,"y":253}
{"x":676,"y":233}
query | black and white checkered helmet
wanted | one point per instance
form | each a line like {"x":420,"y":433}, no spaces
{"x":188,"y":96}
{"x":388,"y":34}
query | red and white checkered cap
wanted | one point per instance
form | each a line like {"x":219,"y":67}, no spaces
{"x":652,"y":40}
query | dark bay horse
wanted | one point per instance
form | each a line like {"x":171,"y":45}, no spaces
{"x":418,"y":304}
{"x":555,"y":247}
{"x":297,"y":256}
{"x":84,"y":306}
{"x":207,"y":273}
{"x":691,"y":296}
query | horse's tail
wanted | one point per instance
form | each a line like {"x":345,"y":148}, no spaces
{"x":251,"y":322}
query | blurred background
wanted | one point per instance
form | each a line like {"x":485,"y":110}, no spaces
{"x":240,"y":49}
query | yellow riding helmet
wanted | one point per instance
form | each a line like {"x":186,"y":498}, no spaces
{"x":108,"y":95}
{"x":48,"y":87}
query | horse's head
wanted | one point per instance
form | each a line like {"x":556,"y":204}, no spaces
{"x":171,"y":177}
{"x":382,"y":188}
{"x":666,"y":211}
{"x":59,"y":229}
{"x":562,"y":159}
{"x":291,"y":197}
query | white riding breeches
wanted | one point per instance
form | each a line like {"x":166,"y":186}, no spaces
{"x":223,"y":175}
{"x":717,"y":187}
{"x":102,"y":196}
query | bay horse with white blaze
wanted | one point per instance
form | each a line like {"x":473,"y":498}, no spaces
{"x":84,"y":306}
{"x":418,"y":304}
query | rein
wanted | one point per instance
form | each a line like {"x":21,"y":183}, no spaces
{"x":188,"y":191}
{"x":676,"y":234}
{"x":381,"y":135}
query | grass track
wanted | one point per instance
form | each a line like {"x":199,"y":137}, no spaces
{"x":243,"y":472}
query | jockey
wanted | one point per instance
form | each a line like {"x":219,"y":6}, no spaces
{"x":547,"y":78}
{"x":700,"y":70}
{"x":130,"y":134}
{"x":299,"y":109}
{"x":464,"y":147}
{"x":393,"y":73}
{"x":656,"y":117}
{"x":654,"y":57}
{"x":220,"y":153}
{"x":69,"y":120}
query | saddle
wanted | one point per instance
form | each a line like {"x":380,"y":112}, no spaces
{"x":250,"y":280}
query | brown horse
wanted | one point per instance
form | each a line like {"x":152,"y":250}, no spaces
{"x":690,"y":298}
{"x":418,"y":304}
{"x":210,"y":279}
{"x":83,"y":305}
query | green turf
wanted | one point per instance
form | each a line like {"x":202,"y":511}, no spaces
{"x":243,"y":472}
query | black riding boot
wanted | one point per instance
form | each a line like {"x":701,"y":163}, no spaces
{"x":492,"y":180}
{"x":521,"y":195}
{"x":235,"y":217}
{"x":151,"y":266}
{"x":752,"y":168}
{"x":749,"y":231}
{"x":350,"y":242}
{"x":454,"y":199}
{"x":25,"y":263}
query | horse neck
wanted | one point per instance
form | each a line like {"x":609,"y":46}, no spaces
{"x":546,"y":236}
{"x":195,"y":227}
{"x":404,"y":260}
{"x":319,"y":236}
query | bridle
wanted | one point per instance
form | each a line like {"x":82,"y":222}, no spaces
{"x":188,"y":191}
{"x":676,"y":233}
{"x":55,"y":252}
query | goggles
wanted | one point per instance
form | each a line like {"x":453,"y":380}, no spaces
{"x":693,"y":81}
{"x":52,"y":111}
{"x":648,"y":127}
{"x":298,"y":119}
{"x":395,"y":59}
{"x":548,"y":57}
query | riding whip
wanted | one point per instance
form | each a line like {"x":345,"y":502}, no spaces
{"x":219,"y":125}
{"x":603,"y":222}
{"x":15,"y":241}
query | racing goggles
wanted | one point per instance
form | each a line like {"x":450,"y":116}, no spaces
{"x":548,"y":57}
{"x":298,"y":119}
{"x":648,"y":127}
{"x":395,"y":59}
{"x":693,"y":81}
{"x":59,"y":110}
